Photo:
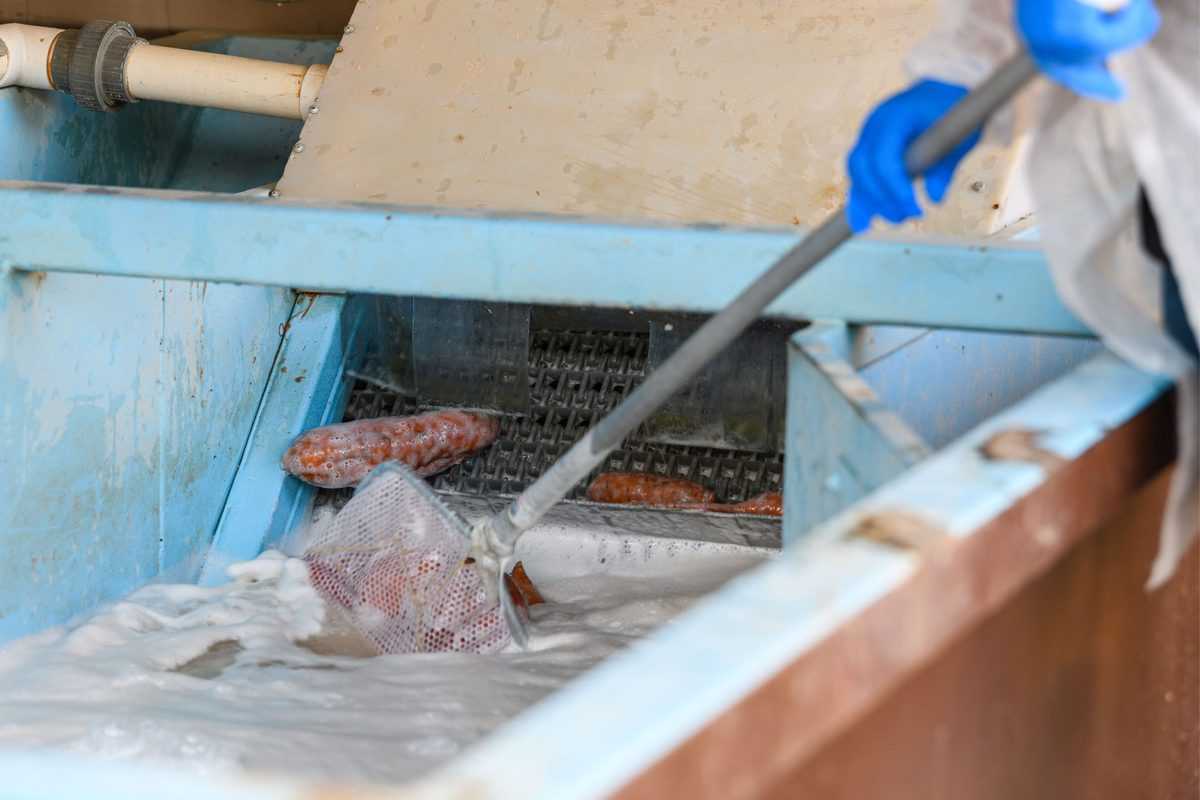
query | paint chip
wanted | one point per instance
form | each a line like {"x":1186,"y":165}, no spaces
{"x":1020,"y":444}
{"x":902,"y":529}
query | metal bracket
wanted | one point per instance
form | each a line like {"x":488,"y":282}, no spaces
{"x":472,"y":354}
{"x":450,"y":352}
{"x":388,"y":359}
{"x":842,"y":442}
{"x":737,"y":401}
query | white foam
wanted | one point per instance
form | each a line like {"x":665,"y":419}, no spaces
{"x":111,"y":686}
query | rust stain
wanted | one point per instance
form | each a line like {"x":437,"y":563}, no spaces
{"x":312,"y":298}
{"x":902,"y":529}
{"x":287,"y":326}
{"x":1020,"y":444}
{"x":36,"y":279}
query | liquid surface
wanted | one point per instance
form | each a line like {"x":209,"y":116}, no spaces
{"x":258,"y":674}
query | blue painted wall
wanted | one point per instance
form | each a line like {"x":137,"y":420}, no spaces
{"x":125,"y":403}
{"x":947,"y":382}
{"x":43,"y":136}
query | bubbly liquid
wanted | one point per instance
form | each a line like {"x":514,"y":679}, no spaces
{"x":259,"y":674}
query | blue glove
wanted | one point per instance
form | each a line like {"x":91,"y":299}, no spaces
{"x":879,"y":184}
{"x":1070,"y":40}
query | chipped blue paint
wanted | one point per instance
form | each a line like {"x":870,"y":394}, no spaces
{"x":961,"y":491}
{"x":945,"y":382}
{"x":842,"y":442}
{"x":928,"y":386}
{"x":307,"y":388}
{"x":385,"y":250}
{"x":78,"y":463}
{"x":125,"y":403}
{"x":219,"y":340}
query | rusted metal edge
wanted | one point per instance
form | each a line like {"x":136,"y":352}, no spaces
{"x":961,"y":581}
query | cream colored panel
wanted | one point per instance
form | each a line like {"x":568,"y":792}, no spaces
{"x":694,"y":110}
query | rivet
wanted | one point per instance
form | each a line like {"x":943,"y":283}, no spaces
{"x":348,"y":29}
{"x":338,"y":49}
{"x":313,"y":109}
{"x":299,"y":148}
{"x":977,"y":186}
{"x":273,"y":193}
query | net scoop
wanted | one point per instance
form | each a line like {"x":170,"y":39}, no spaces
{"x":396,"y":560}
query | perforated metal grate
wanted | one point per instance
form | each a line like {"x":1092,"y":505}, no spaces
{"x":575,"y":378}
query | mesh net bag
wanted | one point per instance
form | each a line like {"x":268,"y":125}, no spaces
{"x":396,"y":560}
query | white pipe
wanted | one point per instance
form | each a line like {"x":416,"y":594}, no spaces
{"x":218,"y":81}
{"x":310,"y":87}
{"x":175,"y":75}
{"x":28,"y":61}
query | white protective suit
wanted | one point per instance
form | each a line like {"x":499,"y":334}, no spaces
{"x":1087,"y":161}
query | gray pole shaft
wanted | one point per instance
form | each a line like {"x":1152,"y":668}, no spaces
{"x":719,"y":331}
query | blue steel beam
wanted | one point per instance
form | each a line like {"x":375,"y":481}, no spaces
{"x":527,"y":259}
{"x":308,"y":387}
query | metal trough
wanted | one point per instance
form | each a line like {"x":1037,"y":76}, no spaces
{"x":972,"y":484}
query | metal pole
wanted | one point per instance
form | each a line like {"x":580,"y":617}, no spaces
{"x":967,"y":116}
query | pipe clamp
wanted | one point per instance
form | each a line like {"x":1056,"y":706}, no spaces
{"x":89,"y":64}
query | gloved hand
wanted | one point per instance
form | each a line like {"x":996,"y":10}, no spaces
{"x":1070,"y":40}
{"x":879,"y":185}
